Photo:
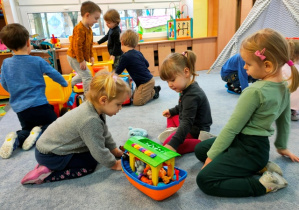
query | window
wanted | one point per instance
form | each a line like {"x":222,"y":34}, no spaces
{"x":141,"y":17}
{"x":148,"y":18}
{"x":60,"y":20}
{"x":61,"y":24}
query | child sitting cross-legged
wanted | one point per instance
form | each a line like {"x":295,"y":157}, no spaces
{"x":75,"y":143}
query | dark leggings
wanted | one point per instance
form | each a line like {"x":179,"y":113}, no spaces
{"x":231,"y":173}
{"x":42,"y":115}
{"x":80,"y":165}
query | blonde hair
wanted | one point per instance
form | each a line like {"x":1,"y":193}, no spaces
{"x":112,"y":15}
{"x":129,"y":38}
{"x":89,"y":7}
{"x":175,"y":64}
{"x":294,"y":44}
{"x":106,"y":84}
{"x":277,"y":51}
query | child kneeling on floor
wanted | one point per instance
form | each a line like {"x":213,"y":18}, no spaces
{"x":235,"y":75}
{"x":75,"y":143}
{"x":22,"y":76}
{"x":137,"y":66}
{"x":192,"y":115}
{"x":241,"y":150}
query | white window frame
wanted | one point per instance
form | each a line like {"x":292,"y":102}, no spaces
{"x":47,"y":2}
{"x":25,"y":10}
{"x":112,"y":1}
{"x":46,"y":6}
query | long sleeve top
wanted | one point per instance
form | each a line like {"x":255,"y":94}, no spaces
{"x":22,"y":77}
{"x":259,"y":105}
{"x":286,"y":72}
{"x":114,"y":46}
{"x":236,"y":64}
{"x":81,"y":43}
{"x":79,"y":130}
{"x":136,"y":65}
{"x":194,"y":114}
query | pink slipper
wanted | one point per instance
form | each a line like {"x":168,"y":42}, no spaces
{"x":37,"y":175}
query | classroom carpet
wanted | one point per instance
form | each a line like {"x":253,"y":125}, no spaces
{"x":108,"y":189}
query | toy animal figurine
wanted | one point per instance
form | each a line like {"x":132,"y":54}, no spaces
{"x":162,"y":175}
{"x":146,"y":180}
{"x":147,"y":172}
{"x":139,"y":166}
{"x":146,"y":176}
{"x":137,"y":132}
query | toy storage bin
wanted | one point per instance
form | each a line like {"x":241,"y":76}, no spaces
{"x":55,"y":93}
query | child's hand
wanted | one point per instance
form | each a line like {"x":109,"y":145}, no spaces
{"x":117,"y":166}
{"x":169,"y":147}
{"x":112,"y":57}
{"x":92,"y":60}
{"x":83,"y":65}
{"x":117,"y":152}
{"x":166,"y":113}
{"x":208,"y":160}
{"x":286,"y":152}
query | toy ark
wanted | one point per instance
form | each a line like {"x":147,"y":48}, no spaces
{"x":150,"y":168}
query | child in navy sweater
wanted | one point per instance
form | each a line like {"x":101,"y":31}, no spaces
{"x":137,"y":67}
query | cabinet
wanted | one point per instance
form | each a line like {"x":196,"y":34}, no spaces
{"x":156,"y":51}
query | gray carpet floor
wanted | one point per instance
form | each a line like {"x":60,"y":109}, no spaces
{"x":107,"y":189}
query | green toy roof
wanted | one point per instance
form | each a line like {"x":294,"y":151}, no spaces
{"x":162,"y":153}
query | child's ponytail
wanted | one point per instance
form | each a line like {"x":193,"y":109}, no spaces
{"x":106,"y":84}
{"x":294,"y":84}
{"x":191,"y":59}
{"x":175,"y":63}
{"x":294,"y":55}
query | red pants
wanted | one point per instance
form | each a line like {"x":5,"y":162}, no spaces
{"x":189,"y":143}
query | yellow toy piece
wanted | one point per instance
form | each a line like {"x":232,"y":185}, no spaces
{"x":100,"y":65}
{"x":55,"y":93}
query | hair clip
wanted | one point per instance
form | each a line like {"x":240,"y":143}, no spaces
{"x":184,"y":53}
{"x":115,"y":78}
{"x":290,"y":63}
{"x":261,"y":54}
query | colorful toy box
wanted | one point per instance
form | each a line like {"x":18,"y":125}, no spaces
{"x":156,"y":158}
{"x":180,"y":29}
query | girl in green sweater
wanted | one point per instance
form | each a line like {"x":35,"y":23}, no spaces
{"x":242,"y":148}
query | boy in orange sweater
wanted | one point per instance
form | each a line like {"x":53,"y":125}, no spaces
{"x":80,"y":49}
